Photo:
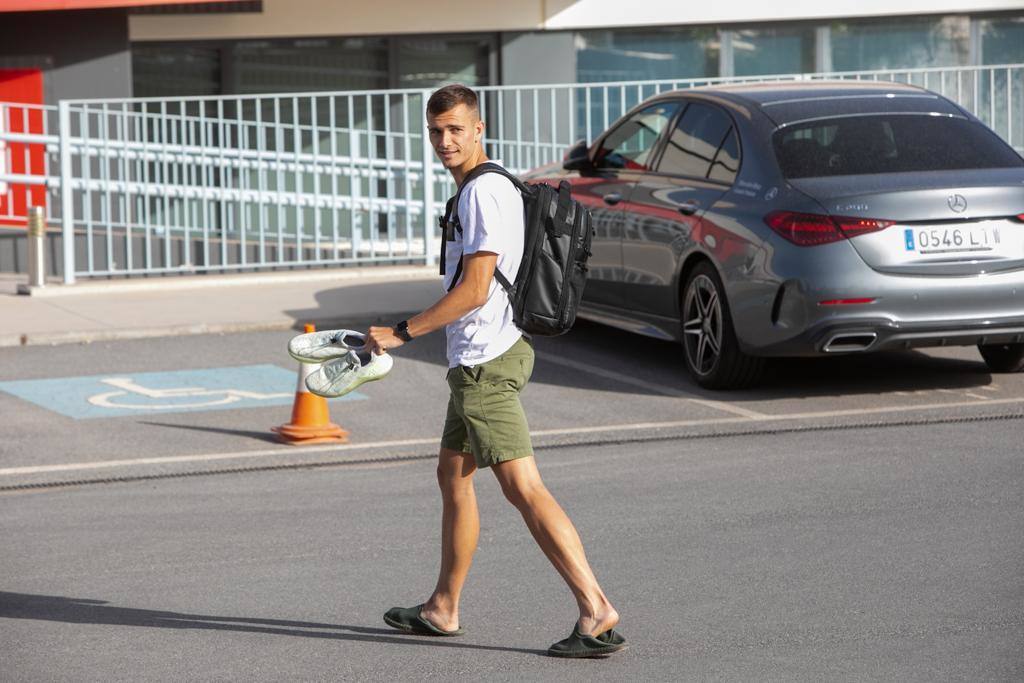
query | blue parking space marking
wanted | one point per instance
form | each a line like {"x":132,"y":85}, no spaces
{"x":147,"y":393}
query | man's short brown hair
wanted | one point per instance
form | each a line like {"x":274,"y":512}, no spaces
{"x":450,"y":96}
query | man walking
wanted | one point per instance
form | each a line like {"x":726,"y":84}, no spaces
{"x":490,"y":362}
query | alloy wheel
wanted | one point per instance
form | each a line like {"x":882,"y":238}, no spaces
{"x":702,"y":325}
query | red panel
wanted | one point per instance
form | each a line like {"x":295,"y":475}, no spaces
{"x":42,"y":5}
{"x":24,"y":86}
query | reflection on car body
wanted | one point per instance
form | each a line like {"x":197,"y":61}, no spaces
{"x":798,"y":219}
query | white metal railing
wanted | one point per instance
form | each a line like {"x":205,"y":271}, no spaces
{"x":183,"y":185}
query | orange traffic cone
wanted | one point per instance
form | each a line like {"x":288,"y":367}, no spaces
{"x":311,"y":421}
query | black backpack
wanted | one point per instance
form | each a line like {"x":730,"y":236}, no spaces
{"x":547,"y":289}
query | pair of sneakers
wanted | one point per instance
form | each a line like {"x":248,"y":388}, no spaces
{"x":345,"y":362}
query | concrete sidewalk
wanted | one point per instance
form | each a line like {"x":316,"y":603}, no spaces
{"x":132,"y":309}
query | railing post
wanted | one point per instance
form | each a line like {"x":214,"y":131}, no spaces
{"x":67,"y":193}
{"x":36,"y":235}
{"x":428,"y":194}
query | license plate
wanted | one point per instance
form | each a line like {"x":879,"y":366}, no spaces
{"x":940,"y":240}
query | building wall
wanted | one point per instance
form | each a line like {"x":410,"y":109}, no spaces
{"x":82,"y":53}
{"x":566,"y":14}
{"x":285,"y":18}
{"x":282,"y":18}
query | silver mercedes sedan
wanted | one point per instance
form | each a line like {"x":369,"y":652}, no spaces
{"x":800,"y":219}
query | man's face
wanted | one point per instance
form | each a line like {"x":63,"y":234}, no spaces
{"x":455,"y":135}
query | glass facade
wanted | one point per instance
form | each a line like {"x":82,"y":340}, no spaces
{"x":601,"y":55}
{"x":763,"y":51}
{"x":646,"y":54}
{"x":267,"y":66}
{"x":427,"y":62}
{"x":1002,"y":41}
{"x":901,"y":43}
{"x":159,"y":71}
{"x":309,"y":65}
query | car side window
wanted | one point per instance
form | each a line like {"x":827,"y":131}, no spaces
{"x":727,"y":162}
{"x":631,"y":145}
{"x":702,"y":145}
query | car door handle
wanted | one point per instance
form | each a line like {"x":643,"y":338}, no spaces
{"x":689,"y":208}
{"x":612,"y":198}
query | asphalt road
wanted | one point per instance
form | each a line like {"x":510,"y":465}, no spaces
{"x":737,"y":558}
{"x":851,"y":519}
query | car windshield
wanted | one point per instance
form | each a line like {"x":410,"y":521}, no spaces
{"x":893,"y":143}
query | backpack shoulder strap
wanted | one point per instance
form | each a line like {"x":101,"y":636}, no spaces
{"x":476,"y":172}
{"x":443,"y":221}
{"x":452,"y":214}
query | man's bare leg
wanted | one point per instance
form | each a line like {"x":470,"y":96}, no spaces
{"x":460,"y":530}
{"x":551,"y":528}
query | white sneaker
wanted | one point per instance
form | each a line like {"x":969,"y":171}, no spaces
{"x":339,"y":376}
{"x":316,"y":347}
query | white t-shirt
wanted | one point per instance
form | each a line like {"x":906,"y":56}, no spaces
{"x":492,"y":218}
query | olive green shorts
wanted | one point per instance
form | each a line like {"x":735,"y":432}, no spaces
{"x":485,"y":417}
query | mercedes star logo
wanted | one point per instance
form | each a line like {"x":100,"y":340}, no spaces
{"x":957,"y":202}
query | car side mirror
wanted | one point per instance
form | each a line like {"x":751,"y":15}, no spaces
{"x":578,"y":157}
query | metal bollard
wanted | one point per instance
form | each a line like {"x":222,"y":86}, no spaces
{"x":36,"y":248}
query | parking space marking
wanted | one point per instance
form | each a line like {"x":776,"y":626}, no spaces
{"x":649,"y":386}
{"x":98,"y":396}
{"x":433,"y":440}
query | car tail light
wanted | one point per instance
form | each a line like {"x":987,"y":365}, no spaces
{"x":854,"y":227}
{"x":812,"y":229}
{"x":803,"y":229}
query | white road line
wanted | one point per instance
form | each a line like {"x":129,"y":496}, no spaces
{"x":634,"y":426}
{"x":650,"y":386}
{"x":983,"y":398}
{"x":171,"y":459}
{"x":988,"y":388}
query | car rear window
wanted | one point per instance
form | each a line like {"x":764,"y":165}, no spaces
{"x":853,"y":145}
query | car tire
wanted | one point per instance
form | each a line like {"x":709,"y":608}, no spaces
{"x":1003,"y":357}
{"x":710,"y":348}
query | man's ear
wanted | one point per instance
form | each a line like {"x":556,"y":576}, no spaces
{"x":479,"y":129}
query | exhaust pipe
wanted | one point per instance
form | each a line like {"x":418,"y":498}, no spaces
{"x":849,"y":343}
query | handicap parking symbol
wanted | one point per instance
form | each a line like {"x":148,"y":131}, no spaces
{"x":147,"y":393}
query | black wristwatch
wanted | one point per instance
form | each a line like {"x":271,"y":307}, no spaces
{"x":402,"y":331}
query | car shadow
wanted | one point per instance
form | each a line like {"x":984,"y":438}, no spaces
{"x":100,"y":612}
{"x":657,"y":366}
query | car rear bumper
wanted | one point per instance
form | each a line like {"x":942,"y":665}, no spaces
{"x":879,"y":334}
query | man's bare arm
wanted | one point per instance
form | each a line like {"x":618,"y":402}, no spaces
{"x":468,"y":295}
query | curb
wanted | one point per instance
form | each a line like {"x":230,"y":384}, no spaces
{"x":177,"y":283}
{"x":62,"y":338}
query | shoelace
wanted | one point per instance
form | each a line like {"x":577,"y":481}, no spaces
{"x":336,"y":368}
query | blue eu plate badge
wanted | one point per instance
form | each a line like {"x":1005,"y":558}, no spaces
{"x":908,"y":239}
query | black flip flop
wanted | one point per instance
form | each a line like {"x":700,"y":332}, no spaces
{"x":582,"y":645}
{"x":408,"y":619}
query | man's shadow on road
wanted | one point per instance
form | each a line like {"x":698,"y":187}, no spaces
{"x":84,"y":611}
